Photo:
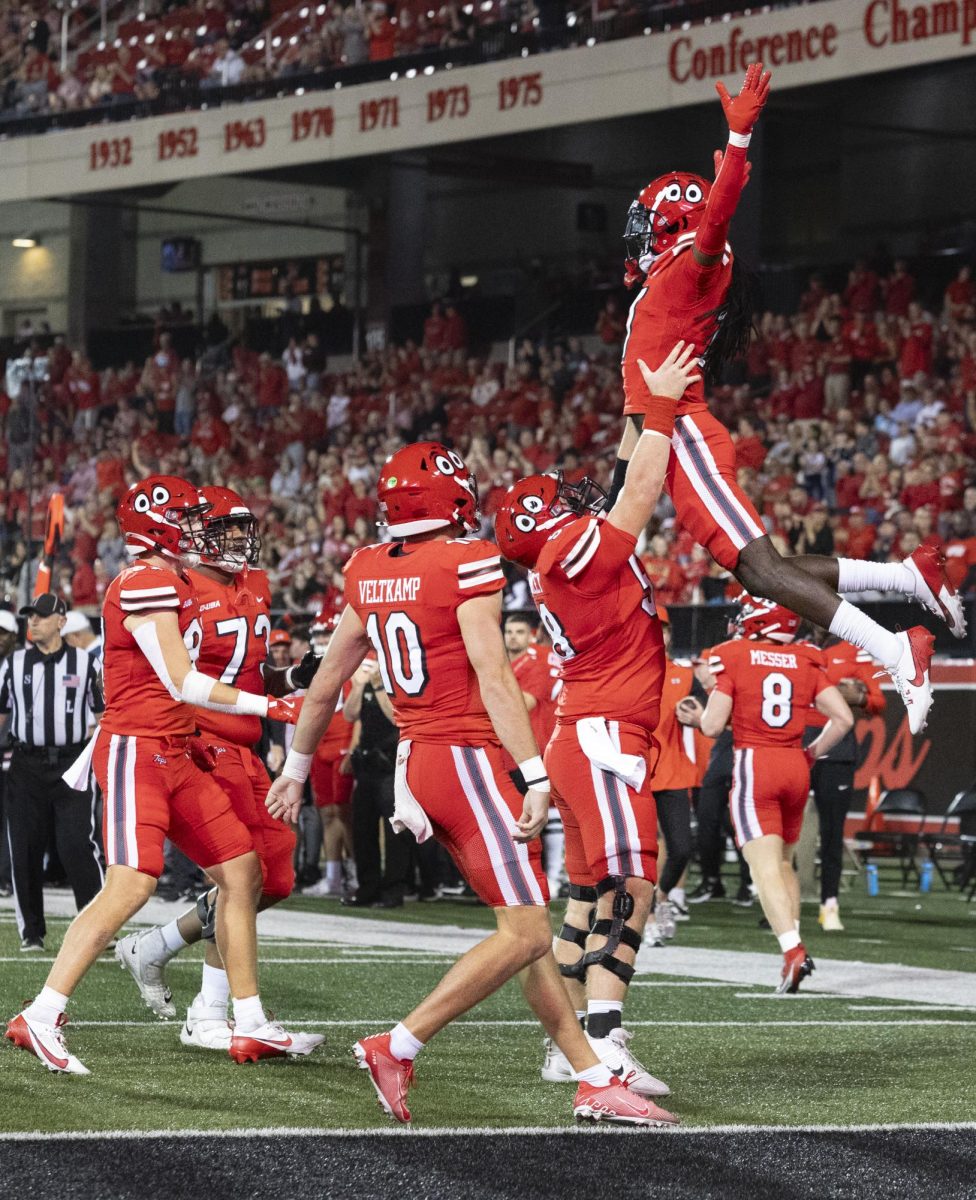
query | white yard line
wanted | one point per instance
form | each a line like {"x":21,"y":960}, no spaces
{"x":857,"y":980}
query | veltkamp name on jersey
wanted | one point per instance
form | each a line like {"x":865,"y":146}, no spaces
{"x":389,"y":591}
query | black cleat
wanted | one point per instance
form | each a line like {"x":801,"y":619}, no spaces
{"x":708,"y":889}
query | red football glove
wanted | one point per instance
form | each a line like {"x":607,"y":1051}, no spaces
{"x":743,"y":111}
{"x":202,"y":754}
{"x":284,"y":710}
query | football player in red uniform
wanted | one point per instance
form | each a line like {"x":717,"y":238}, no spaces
{"x":146,"y":761}
{"x":230,"y":638}
{"x":767,"y":684}
{"x":691,"y":287}
{"x":598,"y":606}
{"x":536,"y":668}
{"x":429,"y":605}
{"x":332,"y":785}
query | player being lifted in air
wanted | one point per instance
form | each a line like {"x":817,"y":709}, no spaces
{"x":429,"y":606}
{"x":230,"y":639}
{"x":693,"y":288}
{"x":767,"y":683}
{"x":598,"y":606}
{"x":147,"y":763}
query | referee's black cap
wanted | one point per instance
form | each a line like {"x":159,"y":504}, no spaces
{"x":45,"y":605}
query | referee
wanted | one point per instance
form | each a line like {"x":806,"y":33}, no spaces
{"x":49,"y":692}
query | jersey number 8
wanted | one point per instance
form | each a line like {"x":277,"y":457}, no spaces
{"x":777,"y":703}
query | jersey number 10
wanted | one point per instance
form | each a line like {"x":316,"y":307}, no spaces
{"x":402,"y":661}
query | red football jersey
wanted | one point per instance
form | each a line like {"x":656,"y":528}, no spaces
{"x":407,"y":595}
{"x":537,"y":672}
{"x":676,"y":767}
{"x":136,"y":702}
{"x":231,"y":629}
{"x":598,"y":606}
{"x":844,"y":661}
{"x":772,"y":689}
{"x":677,"y":302}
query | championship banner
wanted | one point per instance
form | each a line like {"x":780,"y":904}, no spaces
{"x":802,"y":45}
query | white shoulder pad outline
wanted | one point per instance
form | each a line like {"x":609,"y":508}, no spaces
{"x":582,"y":551}
{"x":480,"y":571}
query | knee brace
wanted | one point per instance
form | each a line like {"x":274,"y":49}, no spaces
{"x":572,"y":933}
{"x":207,"y":912}
{"x":615,"y":930}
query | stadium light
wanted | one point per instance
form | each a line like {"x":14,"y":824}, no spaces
{"x":27,"y":242}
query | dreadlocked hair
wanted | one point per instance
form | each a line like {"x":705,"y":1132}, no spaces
{"x":735,"y":321}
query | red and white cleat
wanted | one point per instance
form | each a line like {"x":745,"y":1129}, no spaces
{"x":910,"y":674}
{"x":797,"y":965}
{"x":46,"y":1042}
{"x":271,"y":1040}
{"x":620,"y":1106}
{"x":933,"y":589}
{"x":390,"y":1076}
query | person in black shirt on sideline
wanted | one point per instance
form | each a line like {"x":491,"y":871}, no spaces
{"x":49,"y":693}
{"x":381,"y":884}
{"x":8,"y":640}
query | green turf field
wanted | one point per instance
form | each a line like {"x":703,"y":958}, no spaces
{"x":731,"y":1054}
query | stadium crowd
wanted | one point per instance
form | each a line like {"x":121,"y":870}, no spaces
{"x":157,"y":48}
{"x":854,"y":419}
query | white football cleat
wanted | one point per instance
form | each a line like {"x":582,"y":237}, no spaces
{"x":614,"y":1053}
{"x":933,"y":589}
{"x":555,"y":1066}
{"x":654,"y":935}
{"x":271,"y":1040}
{"x":664,"y":918}
{"x":322,"y":890}
{"x":133,"y":953}
{"x":910,"y":674}
{"x":206,"y":1026}
{"x":46,"y":1042}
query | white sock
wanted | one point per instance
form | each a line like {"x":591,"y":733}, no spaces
{"x":604,"y":1006}
{"x":788,"y":941}
{"x":830,"y":902}
{"x":677,"y":896}
{"x":214,"y":989}
{"x":173,"y":940}
{"x":403,"y":1045}
{"x":248,"y":1014}
{"x":333,"y":876}
{"x":854,"y":575}
{"x":796,"y":924}
{"x":598,"y":1076}
{"x":603,"y":1016}
{"x":48,"y":1006}
{"x":851,"y":625}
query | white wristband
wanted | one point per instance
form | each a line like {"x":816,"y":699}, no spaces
{"x":251,"y":705}
{"x":290,"y":679}
{"x":297,"y":766}
{"x":534,"y":774}
{"x":741,"y":140}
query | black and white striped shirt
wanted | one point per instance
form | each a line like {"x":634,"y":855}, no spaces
{"x":51,"y":699}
